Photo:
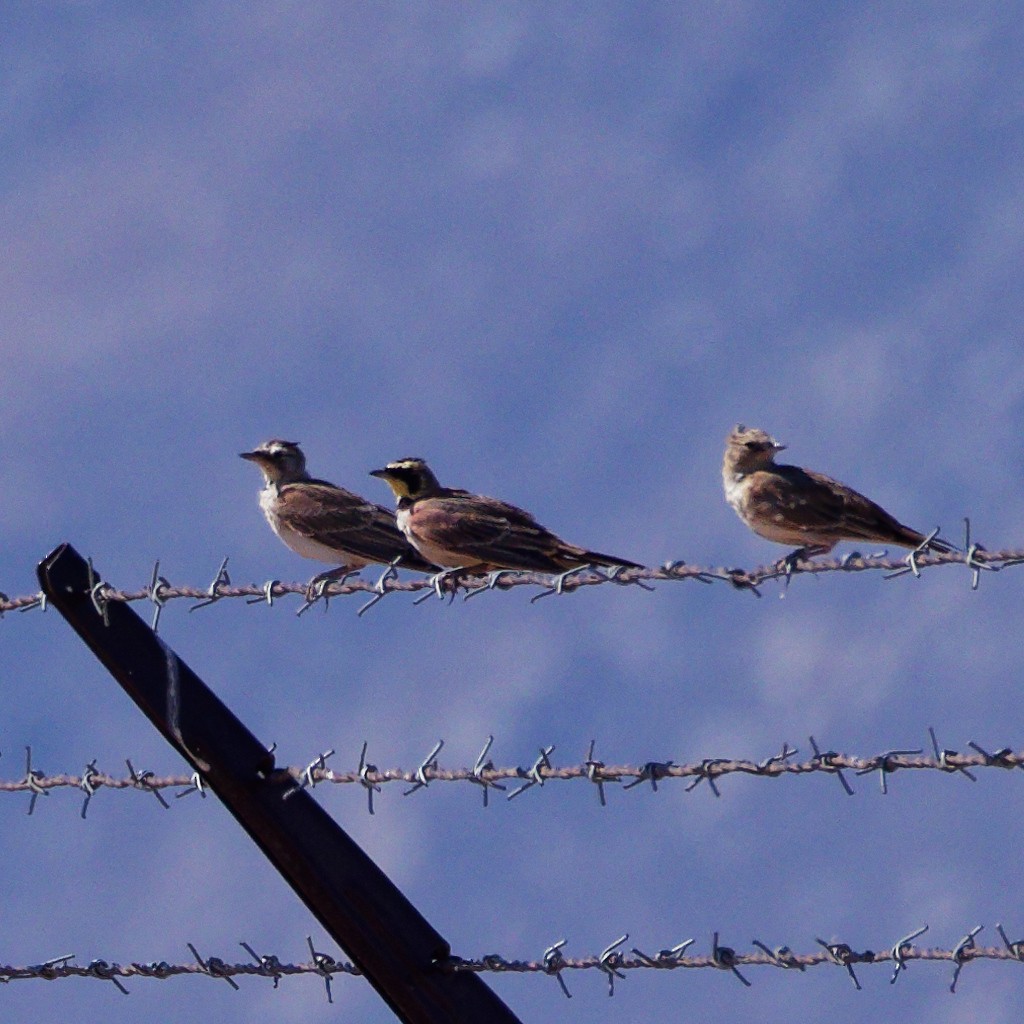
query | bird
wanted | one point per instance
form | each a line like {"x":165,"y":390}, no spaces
{"x":322,"y":521}
{"x":474,"y":534}
{"x":790,"y":505}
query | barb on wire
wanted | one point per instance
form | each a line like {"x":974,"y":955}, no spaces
{"x":654,"y":770}
{"x":611,"y":962}
{"x":781,"y":956}
{"x":270,"y":964}
{"x":316,"y":771}
{"x":32,"y":782}
{"x":889,"y":762}
{"x":844,"y":956}
{"x":101,"y":594}
{"x":91,"y":781}
{"x":107,"y":972}
{"x":535,"y":776}
{"x":945,"y":758}
{"x":705,"y":773}
{"x":36,"y":601}
{"x":325,"y":966}
{"x":213,"y":592}
{"x":485,"y":774}
{"x":195,"y":786}
{"x":725,"y":959}
{"x":158,"y":591}
{"x":554,"y":963}
{"x":483,"y":765}
{"x":214,"y":967}
{"x":363,"y":773}
{"x":158,"y":585}
{"x":147,"y":780}
{"x":1015,"y":949}
{"x":897,"y":952}
{"x":429,"y":763}
{"x":962,"y":953}
{"x":827,"y":762}
{"x":595,"y":773}
{"x":669,"y":958}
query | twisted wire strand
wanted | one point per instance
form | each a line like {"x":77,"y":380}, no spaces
{"x":488,"y":776}
{"x":160,"y":590}
{"x":612,"y":962}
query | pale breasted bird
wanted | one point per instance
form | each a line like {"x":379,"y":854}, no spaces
{"x":790,"y":505}
{"x":322,"y":521}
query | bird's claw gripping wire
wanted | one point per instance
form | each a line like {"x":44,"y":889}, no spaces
{"x":316,"y":589}
{"x":790,"y":564}
{"x":439,"y":582}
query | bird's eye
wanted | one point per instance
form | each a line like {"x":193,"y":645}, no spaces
{"x":751,"y":446}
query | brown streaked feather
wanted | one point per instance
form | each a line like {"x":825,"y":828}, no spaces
{"x":790,"y":505}
{"x":487,"y":533}
{"x":340,"y":519}
{"x":812,"y":508}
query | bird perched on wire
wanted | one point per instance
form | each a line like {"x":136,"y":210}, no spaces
{"x":790,"y":505}
{"x":319,"y":520}
{"x":476,"y":534}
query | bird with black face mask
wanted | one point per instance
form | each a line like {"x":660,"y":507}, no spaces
{"x":475,"y":533}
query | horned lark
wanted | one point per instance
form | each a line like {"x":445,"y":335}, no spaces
{"x":477,"y":534}
{"x":790,"y":505}
{"x":318,"y":520}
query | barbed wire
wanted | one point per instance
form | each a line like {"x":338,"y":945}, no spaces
{"x":612,"y":962}
{"x":486,"y":775}
{"x":159,"y":590}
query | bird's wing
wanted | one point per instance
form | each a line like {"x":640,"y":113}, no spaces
{"x":485,"y":531}
{"x":340,"y":519}
{"x":819,"y":506}
{"x":493,"y":532}
{"x":863,"y":519}
{"x":803,"y":501}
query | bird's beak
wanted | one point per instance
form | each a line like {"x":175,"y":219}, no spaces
{"x":382,"y":473}
{"x":776,"y":447}
{"x":251,"y":456}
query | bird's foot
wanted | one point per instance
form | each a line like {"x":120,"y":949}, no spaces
{"x":316,"y":589}
{"x":439,"y":583}
{"x":788,"y":564}
{"x":316,"y":586}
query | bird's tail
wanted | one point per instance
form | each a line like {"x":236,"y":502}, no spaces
{"x":943,"y":547}
{"x":596,"y":558}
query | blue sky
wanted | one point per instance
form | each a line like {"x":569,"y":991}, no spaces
{"x":558,"y":250}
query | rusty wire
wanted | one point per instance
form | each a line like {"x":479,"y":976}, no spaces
{"x":612,"y":962}
{"x":159,"y":590}
{"x":486,"y":775}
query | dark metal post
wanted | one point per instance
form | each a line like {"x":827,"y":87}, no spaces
{"x":400,"y":953}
